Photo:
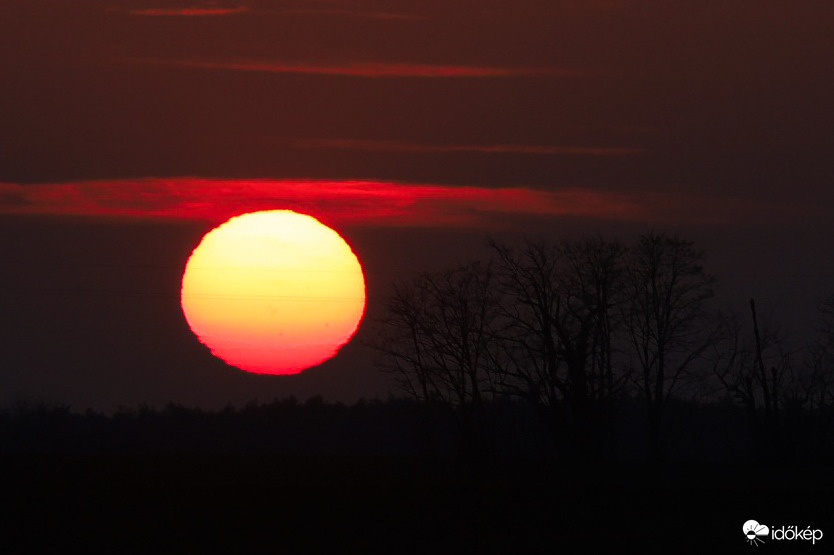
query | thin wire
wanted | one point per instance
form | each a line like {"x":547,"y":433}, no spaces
{"x":178,"y":267}
{"x":158,"y":294}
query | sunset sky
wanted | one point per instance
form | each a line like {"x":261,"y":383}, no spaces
{"x":416,"y":129}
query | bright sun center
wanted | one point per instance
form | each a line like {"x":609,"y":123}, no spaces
{"x":273,"y":292}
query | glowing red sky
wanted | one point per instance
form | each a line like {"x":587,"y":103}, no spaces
{"x":375,"y":203}
{"x":609,"y":103}
{"x":128,"y":126}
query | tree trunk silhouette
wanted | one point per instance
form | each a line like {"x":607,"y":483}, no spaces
{"x":771,"y":405}
{"x":664,"y":319}
{"x":437,"y":338}
{"x":560,"y":301}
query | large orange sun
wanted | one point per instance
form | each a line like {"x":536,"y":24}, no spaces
{"x":273,"y":292}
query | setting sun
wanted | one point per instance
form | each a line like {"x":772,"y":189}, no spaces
{"x":273,"y":292}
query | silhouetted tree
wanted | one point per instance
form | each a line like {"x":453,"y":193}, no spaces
{"x":822,"y":356}
{"x":532,"y":365}
{"x":593,"y":288}
{"x":665,"y":319}
{"x":784,"y":398}
{"x":820,"y":378}
{"x":559,"y":318}
{"x":438,"y":339}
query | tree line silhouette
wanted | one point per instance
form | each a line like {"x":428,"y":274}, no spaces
{"x":578,"y":350}
{"x":282,"y":426}
{"x":582,"y":332}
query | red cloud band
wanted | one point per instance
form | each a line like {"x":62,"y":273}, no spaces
{"x":371,"y":203}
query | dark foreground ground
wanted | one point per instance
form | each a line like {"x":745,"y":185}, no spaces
{"x":281,"y":504}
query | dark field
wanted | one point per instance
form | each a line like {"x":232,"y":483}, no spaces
{"x":313,"y":477}
{"x":262,"y":503}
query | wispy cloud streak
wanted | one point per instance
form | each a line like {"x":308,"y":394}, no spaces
{"x":204,"y":11}
{"x":188,"y":12}
{"x":365,"y":69}
{"x":372,"y":203}
{"x":346,"y":13}
{"x":397,"y":146}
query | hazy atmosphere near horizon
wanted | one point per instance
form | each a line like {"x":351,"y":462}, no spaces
{"x":416,"y":130}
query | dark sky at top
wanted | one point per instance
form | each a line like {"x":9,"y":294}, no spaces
{"x":128,"y":129}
